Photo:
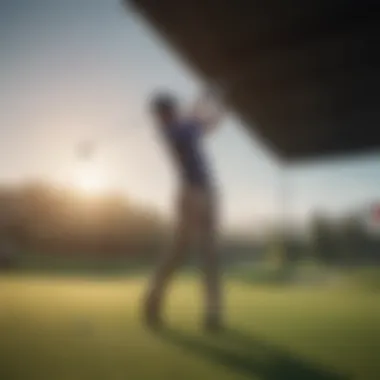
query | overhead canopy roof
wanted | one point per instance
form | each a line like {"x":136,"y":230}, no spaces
{"x":304,"y":75}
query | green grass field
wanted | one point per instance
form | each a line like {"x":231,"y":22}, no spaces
{"x":67,"y":328}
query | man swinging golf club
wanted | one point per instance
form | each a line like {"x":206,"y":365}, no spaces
{"x":196,"y":205}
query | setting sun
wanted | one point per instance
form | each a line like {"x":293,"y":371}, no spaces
{"x":90,"y":180}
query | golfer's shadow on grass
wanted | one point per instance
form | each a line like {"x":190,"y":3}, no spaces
{"x":249,"y":356}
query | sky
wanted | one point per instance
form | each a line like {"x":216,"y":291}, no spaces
{"x":77,"y":69}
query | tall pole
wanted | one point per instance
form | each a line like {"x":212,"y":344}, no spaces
{"x":284,"y":207}
{"x":284,"y":200}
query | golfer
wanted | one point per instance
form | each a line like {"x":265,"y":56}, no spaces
{"x":196,"y":204}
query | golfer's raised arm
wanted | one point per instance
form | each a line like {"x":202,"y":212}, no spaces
{"x":209,"y":111}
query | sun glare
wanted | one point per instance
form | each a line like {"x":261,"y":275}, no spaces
{"x":90,"y":180}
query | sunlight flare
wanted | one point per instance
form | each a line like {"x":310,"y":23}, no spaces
{"x":90,"y":180}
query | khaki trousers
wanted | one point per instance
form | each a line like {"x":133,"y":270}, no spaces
{"x":196,"y":220}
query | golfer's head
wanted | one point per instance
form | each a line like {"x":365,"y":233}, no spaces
{"x":164,"y":107}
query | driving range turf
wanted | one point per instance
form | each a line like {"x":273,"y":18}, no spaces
{"x":66,"y":328}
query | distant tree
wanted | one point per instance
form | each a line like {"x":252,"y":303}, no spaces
{"x":353,"y":237}
{"x":323,"y":240}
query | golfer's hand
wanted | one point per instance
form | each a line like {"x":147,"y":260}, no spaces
{"x":209,"y":110}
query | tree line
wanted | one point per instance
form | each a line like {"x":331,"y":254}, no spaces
{"x":38,"y":217}
{"x":347,"y":240}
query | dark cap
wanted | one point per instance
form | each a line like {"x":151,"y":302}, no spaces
{"x":163,"y":102}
